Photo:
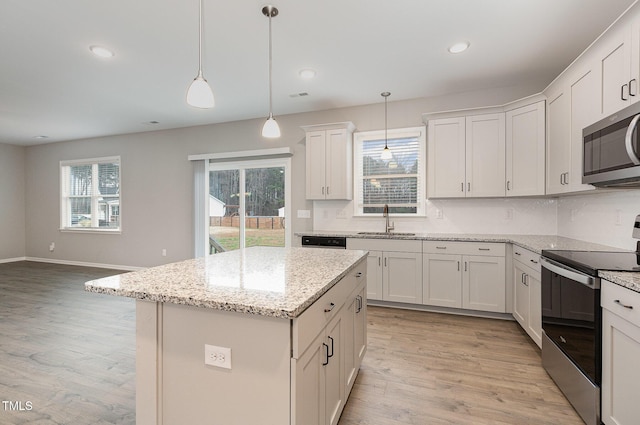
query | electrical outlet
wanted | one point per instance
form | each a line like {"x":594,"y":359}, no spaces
{"x":164,"y":252}
{"x":304,"y":214}
{"x":439,"y":214}
{"x":618,"y":217}
{"x":572,"y":214}
{"x":508,"y":214}
{"x":217,"y":356}
{"x":52,"y":246}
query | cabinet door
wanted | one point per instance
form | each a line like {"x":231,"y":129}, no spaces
{"x":442,"y":284}
{"x":316,"y":164}
{"x":402,"y":277}
{"x":308,"y":398}
{"x":585,"y":98}
{"x":520,"y":296}
{"x":483,"y":284}
{"x":620,"y":373}
{"x":485,"y":155}
{"x":446,"y":158}
{"x":558,"y":141}
{"x":615,"y":62}
{"x":338,"y":177}
{"x":374,"y":275}
{"x":525,"y":140}
{"x":334,"y":371}
{"x":534,"y":328}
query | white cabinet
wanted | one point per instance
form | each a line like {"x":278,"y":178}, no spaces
{"x":394,"y":268}
{"x":446,"y":158}
{"x":527,"y":301}
{"x":467,"y":275}
{"x":525,"y":150}
{"x":329,"y":161}
{"x":572,"y":105}
{"x":620,"y":354}
{"x":329,"y":340}
{"x":466,"y":156}
{"x":614,"y":59}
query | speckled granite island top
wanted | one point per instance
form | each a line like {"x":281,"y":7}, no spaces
{"x":268,"y":281}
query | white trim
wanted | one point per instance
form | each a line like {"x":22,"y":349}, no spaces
{"x":332,"y":126}
{"x":89,"y":161}
{"x":84,"y":264}
{"x":243,"y":154}
{"x":90,"y":230}
{"x":12,"y":260}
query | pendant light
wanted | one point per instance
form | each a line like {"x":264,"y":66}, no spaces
{"x":270,"y":129}
{"x":199,"y":94}
{"x":386,"y":152}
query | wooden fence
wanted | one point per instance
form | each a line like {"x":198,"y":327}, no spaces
{"x":250,"y":222}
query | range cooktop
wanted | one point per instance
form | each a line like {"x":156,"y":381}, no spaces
{"x":591,"y":261}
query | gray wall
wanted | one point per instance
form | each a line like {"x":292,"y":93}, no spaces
{"x":157,"y":183}
{"x":12,"y":202}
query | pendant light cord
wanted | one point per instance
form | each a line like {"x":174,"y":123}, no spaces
{"x":385,"y":122}
{"x":270,"y":70}
{"x":200,"y":42}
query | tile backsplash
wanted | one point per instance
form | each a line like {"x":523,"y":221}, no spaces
{"x":604,"y":217}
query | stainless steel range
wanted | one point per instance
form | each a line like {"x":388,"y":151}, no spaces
{"x":572,"y":321}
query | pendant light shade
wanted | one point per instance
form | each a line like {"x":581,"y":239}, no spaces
{"x":270,"y":129}
{"x":199,"y":93}
{"x":386,"y":152}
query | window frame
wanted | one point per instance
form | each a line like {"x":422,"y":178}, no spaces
{"x":421,"y":192}
{"x":65,"y":210}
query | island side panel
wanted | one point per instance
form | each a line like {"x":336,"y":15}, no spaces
{"x":256,"y":389}
{"x":148,"y":357}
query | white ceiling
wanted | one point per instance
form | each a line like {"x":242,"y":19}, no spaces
{"x":50,"y":84}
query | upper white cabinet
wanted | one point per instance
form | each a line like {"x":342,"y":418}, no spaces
{"x":573,"y":103}
{"x":466,"y":156}
{"x":329,"y":170}
{"x":614,"y":60}
{"x":525,"y":150}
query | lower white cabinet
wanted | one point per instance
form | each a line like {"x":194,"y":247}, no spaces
{"x":620,"y":354}
{"x":527,"y":296}
{"x":394,"y":269}
{"x":324,"y":369}
{"x":469,"y":275}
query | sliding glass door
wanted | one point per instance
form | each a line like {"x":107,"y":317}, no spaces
{"x":248,"y":204}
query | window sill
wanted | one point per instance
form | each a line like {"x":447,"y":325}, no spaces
{"x":90,"y":230}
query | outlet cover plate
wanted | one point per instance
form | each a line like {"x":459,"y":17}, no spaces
{"x":217,"y":356}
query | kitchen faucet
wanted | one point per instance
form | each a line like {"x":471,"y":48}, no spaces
{"x":385,"y":214}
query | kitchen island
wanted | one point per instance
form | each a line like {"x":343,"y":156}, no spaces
{"x":259,"y":335}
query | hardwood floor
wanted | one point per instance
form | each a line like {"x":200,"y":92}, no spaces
{"x":71,"y":354}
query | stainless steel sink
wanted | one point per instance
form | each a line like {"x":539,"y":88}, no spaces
{"x":386,"y":233}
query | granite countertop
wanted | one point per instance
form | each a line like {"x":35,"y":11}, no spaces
{"x":268,"y":281}
{"x":535,"y":243}
{"x":630,"y":280}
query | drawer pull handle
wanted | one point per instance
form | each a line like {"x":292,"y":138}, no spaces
{"x":630,"y":307}
{"x":331,"y":307}
{"x":359,"y":274}
{"x":441,"y":247}
{"x":484,"y":249}
{"x":534,"y":261}
{"x":517,"y":253}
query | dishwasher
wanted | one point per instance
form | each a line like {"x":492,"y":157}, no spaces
{"x":331,"y":242}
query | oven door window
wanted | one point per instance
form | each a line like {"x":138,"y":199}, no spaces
{"x":570,"y":318}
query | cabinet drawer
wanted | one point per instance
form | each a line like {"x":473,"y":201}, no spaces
{"x":315,"y":318}
{"x":494,"y":249}
{"x":526,"y":257}
{"x":388,"y":245}
{"x":615,"y":297}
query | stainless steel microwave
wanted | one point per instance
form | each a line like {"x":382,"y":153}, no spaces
{"x":611,"y":150}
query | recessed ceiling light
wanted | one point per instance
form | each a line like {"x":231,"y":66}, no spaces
{"x":459,"y":47}
{"x":307,"y":74}
{"x":41,"y":137}
{"x":101,"y":51}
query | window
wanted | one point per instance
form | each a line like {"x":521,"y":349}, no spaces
{"x":90,"y":194}
{"x":398,"y":182}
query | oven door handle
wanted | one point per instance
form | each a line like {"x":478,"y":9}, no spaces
{"x":564,"y":271}
{"x":628,"y":143}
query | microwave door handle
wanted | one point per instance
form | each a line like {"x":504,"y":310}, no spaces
{"x":629,"y":143}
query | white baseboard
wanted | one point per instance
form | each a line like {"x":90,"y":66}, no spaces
{"x":12,"y":260}
{"x":82,"y":264}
